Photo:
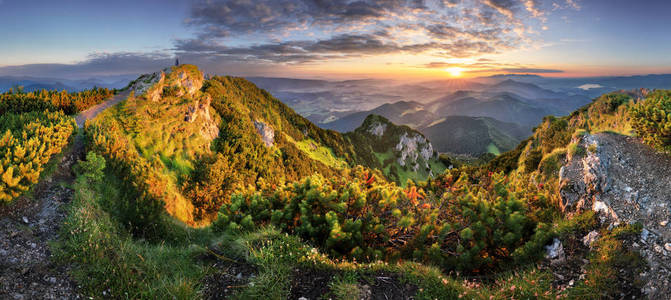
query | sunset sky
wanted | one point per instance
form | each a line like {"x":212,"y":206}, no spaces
{"x":336,"y":39}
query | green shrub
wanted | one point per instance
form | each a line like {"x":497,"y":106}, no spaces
{"x":69,"y":103}
{"x":652,"y":120}
{"x":92,"y":168}
{"x":533,"y":159}
{"x":27,"y":142}
{"x":462,"y":227}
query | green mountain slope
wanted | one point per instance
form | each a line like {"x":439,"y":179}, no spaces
{"x":473,"y":135}
{"x":407,"y":113}
{"x":193,"y":141}
{"x":400,"y":152}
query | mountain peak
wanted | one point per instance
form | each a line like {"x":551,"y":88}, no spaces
{"x":176,"y":81}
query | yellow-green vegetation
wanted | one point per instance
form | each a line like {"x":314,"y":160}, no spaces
{"x":652,"y":120}
{"x":575,"y":150}
{"x":609,"y":112}
{"x":449,"y":223}
{"x":552,"y":162}
{"x":27,"y":143}
{"x":155,"y":142}
{"x":491,"y":148}
{"x":300,"y":204}
{"x":319,"y":152}
{"x":18,"y":101}
{"x":191,"y":147}
{"x":110,"y":262}
{"x":33,"y":127}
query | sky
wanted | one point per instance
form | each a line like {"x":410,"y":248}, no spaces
{"x":337,"y":38}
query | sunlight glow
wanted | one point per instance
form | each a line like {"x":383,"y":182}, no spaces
{"x":455,"y":71}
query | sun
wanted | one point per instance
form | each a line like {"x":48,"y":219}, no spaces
{"x":455,"y":71}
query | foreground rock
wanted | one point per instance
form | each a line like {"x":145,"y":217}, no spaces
{"x":625,"y":182}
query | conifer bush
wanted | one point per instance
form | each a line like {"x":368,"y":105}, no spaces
{"x":449,"y":222}
{"x":68,"y":102}
{"x":651,"y":119}
{"x":27,"y":142}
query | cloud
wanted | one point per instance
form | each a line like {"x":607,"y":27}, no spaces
{"x":533,"y":7}
{"x":307,"y":31}
{"x":99,"y":64}
{"x":567,"y":4}
{"x":266,"y":36}
{"x":528,"y":70}
{"x":484,"y":65}
{"x":573,"y":4}
{"x":504,"y":7}
{"x":228,"y":17}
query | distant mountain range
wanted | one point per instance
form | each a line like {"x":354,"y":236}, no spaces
{"x":494,"y":118}
{"x":39,"y":83}
{"x":461,"y":116}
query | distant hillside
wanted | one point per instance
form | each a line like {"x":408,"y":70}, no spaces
{"x":411,"y":114}
{"x":509,"y":101}
{"x":38,"y":83}
{"x":399,"y":151}
{"x":502,"y":114}
{"x":474,"y":135}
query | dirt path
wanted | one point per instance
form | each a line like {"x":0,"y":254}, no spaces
{"x":28,"y":269}
{"x":95,"y":110}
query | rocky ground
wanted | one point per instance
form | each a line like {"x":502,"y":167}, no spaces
{"x":626,"y":181}
{"x":28,"y":269}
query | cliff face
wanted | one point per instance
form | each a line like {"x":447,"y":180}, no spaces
{"x":625,"y":182}
{"x":414,"y":150}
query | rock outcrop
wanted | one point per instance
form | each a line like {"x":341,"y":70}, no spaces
{"x":176,"y":81}
{"x":377,"y":129}
{"x":625,"y":181}
{"x":266,"y":132}
{"x":183,"y":82}
{"x":413,"y":150}
{"x":200,"y":110}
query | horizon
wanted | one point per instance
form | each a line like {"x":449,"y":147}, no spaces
{"x":376,"y":39}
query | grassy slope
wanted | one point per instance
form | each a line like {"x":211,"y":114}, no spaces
{"x":109,"y":262}
{"x":319,"y":152}
{"x":173,"y":147}
{"x":164,"y":140}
